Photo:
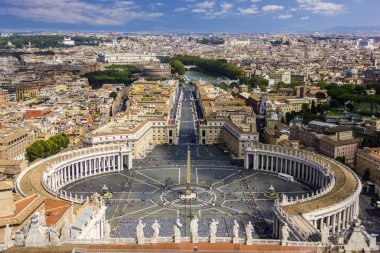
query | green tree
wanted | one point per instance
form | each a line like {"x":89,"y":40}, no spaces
{"x":281,"y":85}
{"x":256,"y":81}
{"x":293,"y":84}
{"x":46,"y":148}
{"x":177,"y":67}
{"x":54,"y":147}
{"x":360,"y":90}
{"x":113,"y":95}
{"x":320,"y":96}
{"x":322,"y":84}
{"x":263,"y":88}
{"x":35,"y":151}
{"x":65,"y":140}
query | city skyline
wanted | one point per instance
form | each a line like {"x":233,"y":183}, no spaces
{"x":186,"y":16}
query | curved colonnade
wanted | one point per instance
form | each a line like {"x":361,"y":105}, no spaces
{"x":335,"y":202}
{"x":59,"y":170}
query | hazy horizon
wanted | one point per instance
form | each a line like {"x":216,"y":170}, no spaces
{"x":188,"y":16}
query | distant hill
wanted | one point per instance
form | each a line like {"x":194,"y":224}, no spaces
{"x":353,"y":29}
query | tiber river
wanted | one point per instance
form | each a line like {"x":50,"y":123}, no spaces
{"x":196,"y":76}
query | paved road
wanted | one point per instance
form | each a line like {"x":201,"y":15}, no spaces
{"x":187,"y":129}
{"x":369,"y":215}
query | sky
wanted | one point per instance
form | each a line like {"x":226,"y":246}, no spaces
{"x":186,"y":16}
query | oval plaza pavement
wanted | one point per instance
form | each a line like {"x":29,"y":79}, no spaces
{"x":324,"y":192}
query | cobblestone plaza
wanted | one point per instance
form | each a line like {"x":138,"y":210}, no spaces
{"x":149,"y":192}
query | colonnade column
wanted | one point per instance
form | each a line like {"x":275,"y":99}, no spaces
{"x":130,"y":162}
{"x":334,"y":223}
{"x":255,"y":161}
{"x":121,"y":162}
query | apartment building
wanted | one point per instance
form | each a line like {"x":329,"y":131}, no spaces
{"x":336,"y":142}
{"x":226,"y":120}
{"x":126,"y":58}
{"x":368,"y":161}
{"x":146,"y":121}
{"x":4,"y":96}
{"x":13,"y":143}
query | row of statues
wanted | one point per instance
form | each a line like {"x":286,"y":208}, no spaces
{"x":193,"y":231}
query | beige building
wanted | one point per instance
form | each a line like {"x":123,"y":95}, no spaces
{"x":292,"y":104}
{"x":140,"y":135}
{"x":343,"y":149}
{"x":13,"y":144}
{"x":336,"y":142}
{"x":368,"y":161}
{"x":277,"y":134}
{"x":6,"y":197}
{"x":226,"y":120}
{"x":4,"y":96}
{"x":27,"y":91}
{"x":146,"y":121}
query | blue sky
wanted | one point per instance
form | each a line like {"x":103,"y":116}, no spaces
{"x":234,"y":16}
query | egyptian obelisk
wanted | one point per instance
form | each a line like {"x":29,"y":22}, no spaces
{"x":188,"y":169}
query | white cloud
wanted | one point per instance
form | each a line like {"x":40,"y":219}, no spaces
{"x":285,"y":16}
{"x":321,"y":7}
{"x":255,"y":1}
{"x":247,"y":11}
{"x":272,"y":7}
{"x":114,"y":12}
{"x":305,"y":18}
{"x":226,"y":7}
{"x":157,"y":4}
{"x":206,"y":5}
{"x":181,"y":9}
{"x":198,"y":10}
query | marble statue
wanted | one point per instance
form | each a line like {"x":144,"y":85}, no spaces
{"x":8,"y":236}
{"x":156,"y":230}
{"x":212,"y":230}
{"x":53,"y":237}
{"x":65,"y":231}
{"x":284,"y":233}
{"x":107,"y":230}
{"x":36,"y":236}
{"x":140,"y":232}
{"x":177,"y":232}
{"x":194,"y":230}
{"x":235,"y":232}
{"x":20,"y":238}
{"x":248,"y":230}
{"x":325,"y":233}
{"x":42,"y":219}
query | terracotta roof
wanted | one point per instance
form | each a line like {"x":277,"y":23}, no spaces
{"x":24,"y":208}
{"x":55,"y":209}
